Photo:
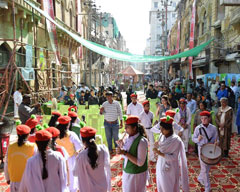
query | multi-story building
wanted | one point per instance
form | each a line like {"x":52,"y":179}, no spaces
{"x":218,"y":20}
{"x":158,"y":34}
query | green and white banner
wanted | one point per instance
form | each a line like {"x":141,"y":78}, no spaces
{"x":119,"y":55}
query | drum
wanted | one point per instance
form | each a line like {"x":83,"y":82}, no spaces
{"x":211,"y":154}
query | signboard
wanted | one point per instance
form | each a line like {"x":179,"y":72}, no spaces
{"x":29,"y":56}
{"x":28,"y":73}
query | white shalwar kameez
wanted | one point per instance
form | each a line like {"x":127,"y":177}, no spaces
{"x":93,"y":180}
{"x":134,"y":109}
{"x":57,"y":174}
{"x":169,"y":175}
{"x":187,"y":132}
{"x":146,"y":120}
{"x":135,"y":182}
{"x":212,"y":133}
{"x":71,"y":161}
{"x":17,"y":98}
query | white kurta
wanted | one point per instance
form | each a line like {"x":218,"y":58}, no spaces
{"x":212,"y":133}
{"x":98,"y":179}
{"x":146,"y":120}
{"x":187,"y":132}
{"x":71,"y":161}
{"x":134,"y":109}
{"x":168,"y":172}
{"x":135,"y":182}
{"x":57,"y":174}
{"x":17,"y":97}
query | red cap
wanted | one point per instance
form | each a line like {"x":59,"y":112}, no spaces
{"x":43,"y":135}
{"x":88,"y":131}
{"x":145,"y":103}
{"x":54,"y":131}
{"x":183,"y":100}
{"x":64,"y":120}
{"x":171,"y":113}
{"x":23,"y":129}
{"x":168,"y":120}
{"x":56,"y":113}
{"x":71,"y":95}
{"x":73,"y":107}
{"x":72,"y":114}
{"x":31,"y":123}
{"x":132,"y":119}
{"x":205,"y":113}
{"x":133,"y":95}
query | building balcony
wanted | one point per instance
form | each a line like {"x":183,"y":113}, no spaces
{"x":23,"y":5}
{"x":235,"y":17}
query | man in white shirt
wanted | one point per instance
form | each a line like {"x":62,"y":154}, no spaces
{"x":233,"y":87}
{"x":134,"y":108}
{"x":17,"y":97}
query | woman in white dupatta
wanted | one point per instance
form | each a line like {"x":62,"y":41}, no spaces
{"x":92,"y":165}
{"x":45,"y":171}
{"x":171,"y":155}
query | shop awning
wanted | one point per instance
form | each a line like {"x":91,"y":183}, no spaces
{"x":116,"y":54}
{"x":130,"y":71}
{"x":231,"y":57}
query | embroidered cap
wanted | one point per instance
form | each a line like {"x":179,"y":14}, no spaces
{"x":145,"y":103}
{"x":56,"y":113}
{"x":133,"y":95}
{"x":72,"y":114}
{"x":88,"y":132}
{"x":171,"y":113}
{"x":23,"y":129}
{"x":54,"y":131}
{"x":64,"y":120}
{"x":205,"y":113}
{"x":43,"y":135}
{"x":132,"y":119}
{"x":32,"y":122}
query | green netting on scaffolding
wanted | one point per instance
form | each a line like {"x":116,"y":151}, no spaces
{"x":119,"y":55}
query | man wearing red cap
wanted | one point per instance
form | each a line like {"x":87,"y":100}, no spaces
{"x":203,"y":134}
{"x":16,"y":158}
{"x":45,"y":171}
{"x":183,"y":117}
{"x":146,"y":119}
{"x":92,"y":165}
{"x":134,"y":108}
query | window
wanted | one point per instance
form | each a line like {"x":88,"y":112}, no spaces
{"x":155,"y":4}
{"x":70,"y":15}
{"x":21,"y":57}
{"x":174,"y":4}
{"x":204,"y":23}
{"x":63,"y":12}
{"x":4,"y":56}
{"x":158,"y":37}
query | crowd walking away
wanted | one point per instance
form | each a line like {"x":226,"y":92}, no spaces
{"x":159,"y":127}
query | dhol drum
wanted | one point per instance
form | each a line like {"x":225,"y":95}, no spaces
{"x":211,"y":154}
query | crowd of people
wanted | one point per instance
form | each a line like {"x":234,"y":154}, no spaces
{"x":53,"y":157}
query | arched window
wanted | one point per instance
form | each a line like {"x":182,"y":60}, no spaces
{"x":70,"y":17}
{"x":204,"y":23}
{"x":4,"y":55}
{"x":63,"y":11}
{"x":21,"y":57}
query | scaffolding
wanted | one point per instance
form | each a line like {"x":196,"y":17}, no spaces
{"x":48,"y":80}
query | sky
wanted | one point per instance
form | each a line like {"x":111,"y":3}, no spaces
{"x":132,"y":17}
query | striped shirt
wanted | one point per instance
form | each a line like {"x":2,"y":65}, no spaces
{"x":112,"y":111}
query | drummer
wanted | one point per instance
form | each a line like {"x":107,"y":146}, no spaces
{"x":203,"y":134}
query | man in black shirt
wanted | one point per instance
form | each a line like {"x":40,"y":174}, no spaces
{"x":92,"y":100}
{"x":151,"y":93}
